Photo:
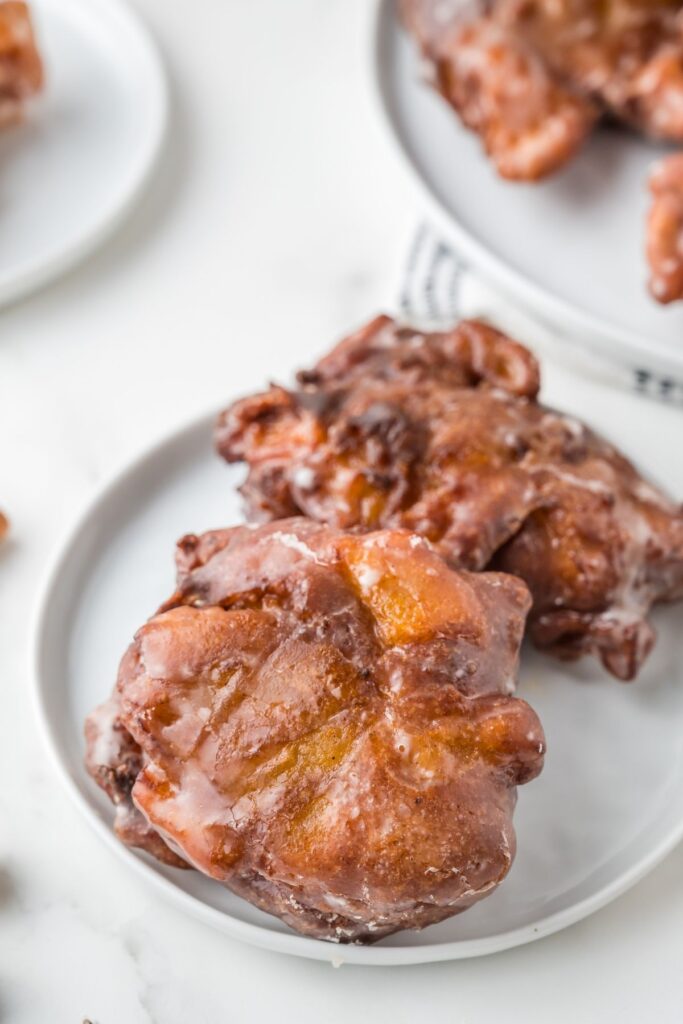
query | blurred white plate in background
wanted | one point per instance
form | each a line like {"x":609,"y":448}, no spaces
{"x":607,"y":807}
{"x":570,"y":249}
{"x":71,"y":171}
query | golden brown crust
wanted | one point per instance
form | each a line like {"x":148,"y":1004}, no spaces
{"x":441,"y":433}
{"x":324,"y":723}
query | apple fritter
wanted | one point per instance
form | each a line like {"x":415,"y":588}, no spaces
{"x":532,"y":77}
{"x":324,"y":722}
{"x":443,"y":434}
{"x":624,"y":55}
{"x":531,"y":123}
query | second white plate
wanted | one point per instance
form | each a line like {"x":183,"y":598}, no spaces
{"x":607,"y":807}
{"x":571,"y":249}
{"x":71,"y":171}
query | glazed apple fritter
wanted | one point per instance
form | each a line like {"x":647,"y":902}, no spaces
{"x":530,"y":122}
{"x":442,"y":434}
{"x":533,"y":76}
{"x":324,"y":723}
{"x":625,"y":55}
{"x":21,"y":70}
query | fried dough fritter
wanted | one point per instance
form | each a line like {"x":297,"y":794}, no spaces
{"x":625,"y":55}
{"x":324,"y":723}
{"x":442,"y":434}
{"x":532,"y":77}
{"x":529,"y":121}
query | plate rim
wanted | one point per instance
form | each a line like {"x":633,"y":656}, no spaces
{"x":35,"y":273}
{"x":222,"y":921}
{"x":582,"y":328}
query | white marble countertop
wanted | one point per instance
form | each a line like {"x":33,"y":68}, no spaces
{"x":271,"y":227}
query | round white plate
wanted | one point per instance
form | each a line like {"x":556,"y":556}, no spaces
{"x":607,"y":807}
{"x":71,"y":171}
{"x":570,"y":248}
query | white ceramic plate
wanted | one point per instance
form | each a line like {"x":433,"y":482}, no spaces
{"x":570,"y":248}
{"x":71,"y":171}
{"x":607,"y":807}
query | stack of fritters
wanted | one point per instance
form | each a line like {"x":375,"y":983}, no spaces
{"x":322,"y":717}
